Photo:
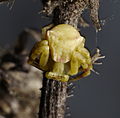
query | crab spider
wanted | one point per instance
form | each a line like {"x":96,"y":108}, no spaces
{"x":61,"y":53}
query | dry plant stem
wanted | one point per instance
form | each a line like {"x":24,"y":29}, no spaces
{"x":53,"y":98}
{"x":70,"y":11}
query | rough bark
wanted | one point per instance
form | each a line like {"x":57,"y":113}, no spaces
{"x":70,"y":11}
{"x":53,"y":98}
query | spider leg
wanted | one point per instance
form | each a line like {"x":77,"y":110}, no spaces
{"x":77,"y":60}
{"x":40,"y":49}
{"x":74,"y":66}
{"x":84,"y":74}
{"x":84,"y":52}
{"x":81,"y":59}
{"x":57,"y":73}
{"x":58,"y":67}
{"x":96,"y":57}
{"x":44,"y":51}
{"x":87,"y":72}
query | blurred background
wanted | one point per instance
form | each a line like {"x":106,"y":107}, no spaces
{"x":97,"y":96}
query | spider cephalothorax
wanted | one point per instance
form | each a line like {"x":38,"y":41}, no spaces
{"x":70,"y":11}
{"x":61,"y":53}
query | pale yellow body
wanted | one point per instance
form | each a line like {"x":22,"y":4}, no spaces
{"x":61,"y":53}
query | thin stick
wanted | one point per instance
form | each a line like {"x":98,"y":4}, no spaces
{"x":53,"y":98}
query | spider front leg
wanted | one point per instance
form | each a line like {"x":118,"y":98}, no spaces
{"x":57,"y":73}
{"x":81,"y":59}
{"x":40,"y":51}
{"x":84,"y":73}
{"x":74,"y":64}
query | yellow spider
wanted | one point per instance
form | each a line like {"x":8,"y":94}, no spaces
{"x":61,"y":53}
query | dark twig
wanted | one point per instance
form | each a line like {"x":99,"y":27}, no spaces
{"x":53,"y":98}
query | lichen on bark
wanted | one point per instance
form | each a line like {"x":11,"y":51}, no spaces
{"x":70,"y":11}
